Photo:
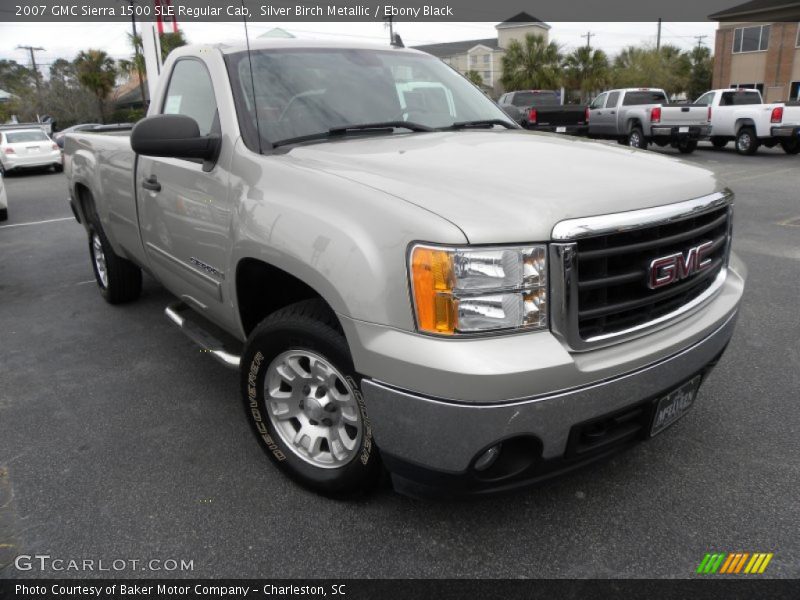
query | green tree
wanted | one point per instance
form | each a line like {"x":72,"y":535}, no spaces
{"x":534,"y":64}
{"x":170,"y":41}
{"x":474,"y":77}
{"x":587,"y":71}
{"x":666,"y":68}
{"x":702,"y":64}
{"x":97,"y":72}
{"x":14,"y":77}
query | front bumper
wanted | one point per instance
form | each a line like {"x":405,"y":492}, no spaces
{"x":467,"y":398}
{"x":692,"y":132}
{"x":785,"y":131}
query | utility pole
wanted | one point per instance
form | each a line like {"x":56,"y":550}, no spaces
{"x":137,"y":54}
{"x":36,"y":75}
{"x":658,"y":37}
{"x":700,"y":39}
{"x":588,"y":35}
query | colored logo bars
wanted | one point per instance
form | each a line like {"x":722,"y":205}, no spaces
{"x":734,"y":563}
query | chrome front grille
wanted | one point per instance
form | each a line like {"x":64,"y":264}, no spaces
{"x":600,"y":279}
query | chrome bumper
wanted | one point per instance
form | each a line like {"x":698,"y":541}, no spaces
{"x":446,"y":437}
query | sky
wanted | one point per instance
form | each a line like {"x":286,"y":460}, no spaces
{"x":65,"y":40}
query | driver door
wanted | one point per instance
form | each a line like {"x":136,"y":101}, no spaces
{"x":184,"y":207}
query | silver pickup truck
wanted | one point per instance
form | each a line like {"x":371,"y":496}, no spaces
{"x":416,"y":288}
{"x":642,"y":116}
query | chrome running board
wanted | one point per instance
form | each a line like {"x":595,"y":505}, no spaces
{"x":199,"y":331}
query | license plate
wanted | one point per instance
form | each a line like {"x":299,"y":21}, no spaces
{"x":683,"y":130}
{"x":674,"y":405}
{"x":561,"y":129}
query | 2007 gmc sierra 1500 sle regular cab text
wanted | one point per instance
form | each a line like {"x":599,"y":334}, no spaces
{"x":432,"y":294}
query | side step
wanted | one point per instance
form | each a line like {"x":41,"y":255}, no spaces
{"x":205,"y":334}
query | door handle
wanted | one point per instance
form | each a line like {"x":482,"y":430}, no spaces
{"x":613,"y":112}
{"x":151,"y":183}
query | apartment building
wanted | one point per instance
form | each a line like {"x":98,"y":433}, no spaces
{"x":485,"y":55}
{"x":758,"y":46}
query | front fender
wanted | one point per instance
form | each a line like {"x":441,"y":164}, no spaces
{"x":345,"y":240}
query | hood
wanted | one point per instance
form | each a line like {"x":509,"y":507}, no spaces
{"x":509,"y":186}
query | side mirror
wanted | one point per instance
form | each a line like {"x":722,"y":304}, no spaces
{"x":173,"y":136}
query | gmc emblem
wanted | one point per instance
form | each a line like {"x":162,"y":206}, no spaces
{"x":672,"y":268}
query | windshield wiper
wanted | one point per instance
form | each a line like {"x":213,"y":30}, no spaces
{"x":384,"y":126}
{"x":481,"y":123}
{"x":380,"y":125}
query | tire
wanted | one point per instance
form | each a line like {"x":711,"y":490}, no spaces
{"x":687,"y":146}
{"x":719,"y":143}
{"x":3,"y":214}
{"x":307,"y":336}
{"x":791,"y":146}
{"x":636,"y":139}
{"x":58,"y":167}
{"x":119,"y":279}
{"x":746,"y":141}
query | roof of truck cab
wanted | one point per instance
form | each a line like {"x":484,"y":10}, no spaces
{"x":283,"y":43}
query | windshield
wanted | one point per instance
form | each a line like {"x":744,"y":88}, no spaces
{"x":15,"y":137}
{"x":308,"y":91}
{"x":637,"y":98}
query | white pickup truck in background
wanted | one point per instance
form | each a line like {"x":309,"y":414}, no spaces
{"x":742,"y":116}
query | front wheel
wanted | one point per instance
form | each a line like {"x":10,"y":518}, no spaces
{"x":746,"y":141}
{"x":3,"y":214}
{"x":636,"y":138}
{"x":303,"y":399}
{"x":687,"y":146}
{"x":791,"y":146}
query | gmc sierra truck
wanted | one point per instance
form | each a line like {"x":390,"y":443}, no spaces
{"x":741,"y":115}
{"x":424,"y":293}
{"x":642,"y":116}
{"x":542,"y":110}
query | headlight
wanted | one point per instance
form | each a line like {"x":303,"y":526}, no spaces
{"x":472,"y":290}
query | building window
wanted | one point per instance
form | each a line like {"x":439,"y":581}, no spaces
{"x":751,"y":39}
{"x":487,"y":77}
{"x":486,"y":59}
{"x":797,"y":43}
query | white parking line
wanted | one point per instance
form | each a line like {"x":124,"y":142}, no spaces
{"x":36,"y":222}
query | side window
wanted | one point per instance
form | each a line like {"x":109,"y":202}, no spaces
{"x":613,"y":99}
{"x":191,"y":93}
{"x":706,"y":99}
{"x":599,"y":102}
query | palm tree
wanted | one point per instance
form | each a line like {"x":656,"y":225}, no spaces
{"x":532,"y":65}
{"x":667,"y":68}
{"x":97,"y":72}
{"x":587,"y":70}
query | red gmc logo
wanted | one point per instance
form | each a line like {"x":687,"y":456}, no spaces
{"x":672,"y":268}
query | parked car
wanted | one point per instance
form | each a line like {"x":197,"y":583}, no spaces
{"x":541,"y":110}
{"x":431,"y":293}
{"x":58,"y":138}
{"x":740,"y":115}
{"x":3,"y":200}
{"x":23,"y":147}
{"x":642,"y":116}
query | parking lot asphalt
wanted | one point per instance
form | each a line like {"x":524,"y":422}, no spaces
{"x":120,"y":440}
